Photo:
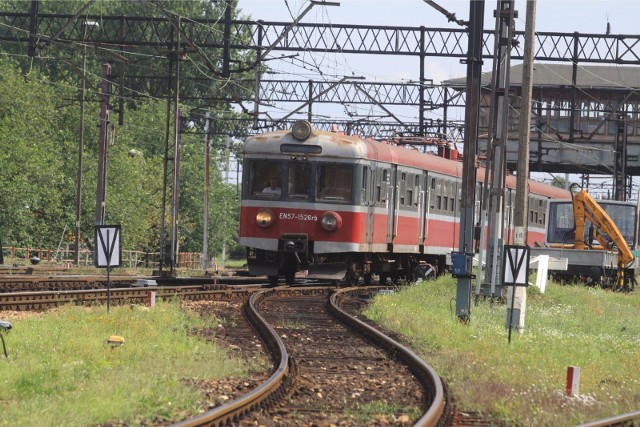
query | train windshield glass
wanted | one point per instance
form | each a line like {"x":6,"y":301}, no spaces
{"x":265,"y":178}
{"x":623,"y":216}
{"x":335,"y":183}
{"x":560,"y":228}
{"x":299,"y":181}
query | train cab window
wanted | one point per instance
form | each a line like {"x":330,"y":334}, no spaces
{"x":561,"y":227}
{"x":265,"y":179}
{"x":299,"y":181}
{"x":335,"y":183}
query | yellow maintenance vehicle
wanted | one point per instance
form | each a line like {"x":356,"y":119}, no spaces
{"x":593,"y":229}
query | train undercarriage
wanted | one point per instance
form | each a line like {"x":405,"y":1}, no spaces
{"x":350,"y":267}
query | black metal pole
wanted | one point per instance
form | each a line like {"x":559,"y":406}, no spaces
{"x":513,"y":303}
{"x":4,"y":347}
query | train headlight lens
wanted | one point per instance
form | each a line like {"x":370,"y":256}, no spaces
{"x":301,"y":130}
{"x":264,"y":218}
{"x":331,"y":221}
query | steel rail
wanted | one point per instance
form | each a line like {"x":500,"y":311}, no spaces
{"x":275,"y":385}
{"x":619,"y":420}
{"x":439,"y":412}
{"x":43,"y":300}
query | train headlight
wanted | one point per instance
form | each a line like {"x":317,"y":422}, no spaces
{"x":331,"y":221}
{"x":264,"y":218}
{"x":301,"y":130}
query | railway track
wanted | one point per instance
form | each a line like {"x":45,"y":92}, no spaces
{"x":35,"y":301}
{"x":326,"y":371}
{"x":72,"y":282}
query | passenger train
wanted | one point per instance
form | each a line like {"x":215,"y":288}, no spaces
{"x":344,"y":207}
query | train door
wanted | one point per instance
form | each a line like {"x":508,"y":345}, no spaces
{"x":392,"y":205}
{"x":369,"y":186}
{"x":423,"y":207}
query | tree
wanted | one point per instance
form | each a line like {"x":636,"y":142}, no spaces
{"x":36,"y":201}
{"x":39,"y":122}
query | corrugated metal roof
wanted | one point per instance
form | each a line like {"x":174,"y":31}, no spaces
{"x":551,"y":74}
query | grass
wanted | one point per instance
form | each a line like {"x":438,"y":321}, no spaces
{"x":60,"y":371}
{"x":524,"y":382}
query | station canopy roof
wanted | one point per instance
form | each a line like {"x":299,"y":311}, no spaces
{"x":610,"y":77}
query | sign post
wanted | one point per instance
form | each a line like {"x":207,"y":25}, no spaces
{"x":515,"y":269}
{"x":108,"y":252}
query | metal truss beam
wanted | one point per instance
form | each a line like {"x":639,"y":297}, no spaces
{"x":375,"y":129}
{"x":154,"y":32}
{"x":343,"y":92}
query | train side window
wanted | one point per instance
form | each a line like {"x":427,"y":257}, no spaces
{"x":384,"y":185}
{"x":265,"y":179}
{"x":364,"y":195}
{"x":402,"y":188}
{"x":437,"y":191}
{"x":335,"y":183}
{"x":299,"y":182}
{"x":445,"y":196}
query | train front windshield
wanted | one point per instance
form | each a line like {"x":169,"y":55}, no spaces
{"x":296,"y":180}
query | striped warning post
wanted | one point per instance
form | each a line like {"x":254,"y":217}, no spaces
{"x":573,"y":381}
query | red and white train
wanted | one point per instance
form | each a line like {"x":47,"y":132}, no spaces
{"x":338,"y":206}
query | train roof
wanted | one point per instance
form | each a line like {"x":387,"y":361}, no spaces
{"x":344,"y":146}
{"x":337,"y":145}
